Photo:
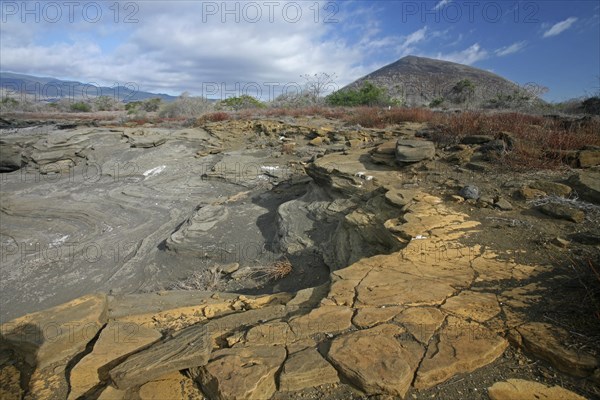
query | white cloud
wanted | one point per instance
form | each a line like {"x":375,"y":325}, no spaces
{"x":441,"y":4}
{"x":467,"y":56}
{"x":407,"y":44}
{"x":175,"y":48}
{"x":513,"y":48}
{"x":560,"y":27}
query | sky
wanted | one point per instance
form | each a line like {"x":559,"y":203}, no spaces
{"x":220,"y":49}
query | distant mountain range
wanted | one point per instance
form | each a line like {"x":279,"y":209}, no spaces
{"x":420,"y":81}
{"x":52,"y":89}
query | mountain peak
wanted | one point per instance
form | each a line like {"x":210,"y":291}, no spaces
{"x":416,"y":81}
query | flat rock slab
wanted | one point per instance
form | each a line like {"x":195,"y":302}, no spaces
{"x":191,"y":348}
{"x":242,"y":372}
{"x":563,"y":211}
{"x":421,"y":322}
{"x":376,"y":360}
{"x":116,"y":341}
{"x":304,"y":369}
{"x":474,"y":305}
{"x":322,"y":320}
{"x":58,"y":333}
{"x":411,"y":151}
{"x":528,"y":390}
{"x":462,"y":347}
{"x":546,"y":341}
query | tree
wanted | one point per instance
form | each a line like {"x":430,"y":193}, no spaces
{"x":318,"y":84}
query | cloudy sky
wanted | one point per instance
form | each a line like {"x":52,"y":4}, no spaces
{"x":223,"y":48}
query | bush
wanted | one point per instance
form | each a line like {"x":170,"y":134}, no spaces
{"x":591,"y":105}
{"x":185,"y":106}
{"x":80,"y":106}
{"x":242,"y":102}
{"x":436,"y":102}
{"x":367,"y":95}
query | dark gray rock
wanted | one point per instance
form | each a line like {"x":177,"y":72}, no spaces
{"x":470,"y":192}
{"x":10,"y":157}
{"x":476,"y":139}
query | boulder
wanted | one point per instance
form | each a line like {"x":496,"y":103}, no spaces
{"x":411,"y":151}
{"x":587,"y":184}
{"x":589,"y":158}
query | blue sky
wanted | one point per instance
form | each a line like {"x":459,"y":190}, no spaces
{"x":218,"y":48}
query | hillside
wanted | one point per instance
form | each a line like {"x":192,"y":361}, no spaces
{"x":420,"y":80}
{"x":52,"y":89}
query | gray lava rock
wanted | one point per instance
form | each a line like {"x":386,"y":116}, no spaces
{"x":10,"y":158}
{"x":469,"y":192}
{"x":411,"y":151}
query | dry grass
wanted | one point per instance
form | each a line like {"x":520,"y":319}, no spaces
{"x":213,"y":117}
{"x":274,"y":271}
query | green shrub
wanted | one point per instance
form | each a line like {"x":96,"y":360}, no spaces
{"x":242,"y":102}
{"x":436,"y":102}
{"x":80,"y":106}
{"x":367,"y":95}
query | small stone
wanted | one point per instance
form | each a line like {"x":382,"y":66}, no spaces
{"x":469,"y":192}
{"x":230,"y":268}
{"x":241,"y":273}
{"x":560,"y":242}
{"x":316,"y":141}
{"x":457,"y":199}
{"x":503,"y":204}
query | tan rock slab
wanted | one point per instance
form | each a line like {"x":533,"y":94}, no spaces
{"x":116,"y":341}
{"x":324,"y":320}
{"x":554,"y":188}
{"x":527,"y":390}
{"x":370,"y":316}
{"x":110,"y":393}
{"x":58,"y":333}
{"x":421,"y":322}
{"x":242,"y":372}
{"x":171,"y":386}
{"x":376,"y":360}
{"x":462,"y":347}
{"x":477,"y":306}
{"x":387,"y":287}
{"x":10,"y":388}
{"x":270,"y":333}
{"x":546,"y":341}
{"x":304,"y":369}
